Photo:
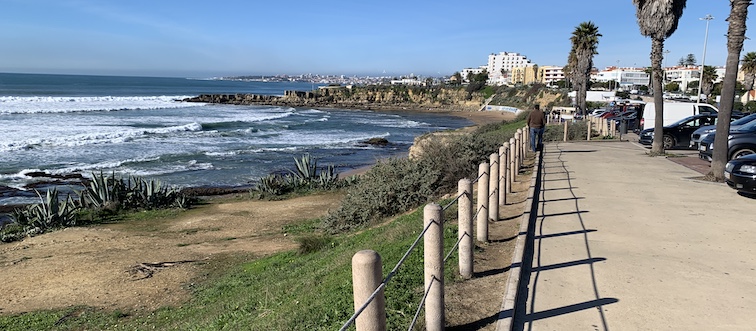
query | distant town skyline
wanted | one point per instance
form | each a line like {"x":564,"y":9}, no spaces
{"x":388,"y":38}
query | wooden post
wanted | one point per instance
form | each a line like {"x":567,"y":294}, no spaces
{"x":589,"y":130}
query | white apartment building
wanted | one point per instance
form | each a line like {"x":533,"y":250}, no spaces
{"x":500,"y":65}
{"x":627,"y":78}
{"x":550,"y":74}
{"x":466,"y":72}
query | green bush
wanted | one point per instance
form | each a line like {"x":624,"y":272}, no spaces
{"x":390,"y":187}
{"x":398,"y":185}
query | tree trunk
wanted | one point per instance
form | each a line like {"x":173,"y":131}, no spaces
{"x":657,"y":45}
{"x":735,"y":38}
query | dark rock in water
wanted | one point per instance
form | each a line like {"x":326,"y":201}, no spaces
{"x":38,"y":174}
{"x":376,"y":141}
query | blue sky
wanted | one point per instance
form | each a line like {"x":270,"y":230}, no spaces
{"x":220,"y":38}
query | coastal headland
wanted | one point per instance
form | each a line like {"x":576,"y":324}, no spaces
{"x":367,"y":98}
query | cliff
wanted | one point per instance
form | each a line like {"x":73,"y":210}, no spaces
{"x":399,"y":97}
{"x":368,"y":97}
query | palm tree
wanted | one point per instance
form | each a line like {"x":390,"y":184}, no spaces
{"x":584,"y":43}
{"x":748,"y":65}
{"x":735,"y":38}
{"x":707,"y":83}
{"x":658,"y":19}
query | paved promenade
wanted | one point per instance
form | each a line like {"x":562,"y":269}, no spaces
{"x":623,"y":241}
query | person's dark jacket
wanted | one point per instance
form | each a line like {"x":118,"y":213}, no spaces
{"x":536,"y":119}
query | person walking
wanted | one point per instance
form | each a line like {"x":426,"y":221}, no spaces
{"x":537,"y":124}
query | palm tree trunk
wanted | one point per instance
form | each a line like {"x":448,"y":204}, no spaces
{"x":735,"y":38}
{"x":657,"y":46}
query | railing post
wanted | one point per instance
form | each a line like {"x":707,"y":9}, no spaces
{"x":565,"y":130}
{"x":503,"y":189}
{"x":482,"y":219}
{"x":433,"y":242}
{"x":590,"y":121}
{"x":518,"y":150}
{"x":613,"y":128}
{"x":512,"y":171}
{"x":367,"y":276}
{"x":465,"y":233}
{"x":493,"y":189}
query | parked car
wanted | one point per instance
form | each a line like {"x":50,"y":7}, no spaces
{"x":674,"y":111}
{"x":740,"y":142}
{"x":677,"y":135}
{"x":702,"y":132}
{"x":740,"y":174}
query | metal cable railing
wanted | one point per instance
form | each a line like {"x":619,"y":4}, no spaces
{"x":509,"y":158}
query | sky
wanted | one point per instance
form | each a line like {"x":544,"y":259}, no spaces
{"x":188,"y":38}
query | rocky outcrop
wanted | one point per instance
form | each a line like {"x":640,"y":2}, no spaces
{"x":369,"y":97}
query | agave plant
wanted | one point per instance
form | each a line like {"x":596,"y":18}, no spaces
{"x":103,"y":192}
{"x":328,"y":178}
{"x":49,"y":213}
{"x":271,"y":184}
{"x":306,"y":168}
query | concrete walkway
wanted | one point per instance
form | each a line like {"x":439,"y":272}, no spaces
{"x":623,"y":241}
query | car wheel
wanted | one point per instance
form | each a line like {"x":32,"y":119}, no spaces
{"x":742,"y":152}
{"x":668,"y":142}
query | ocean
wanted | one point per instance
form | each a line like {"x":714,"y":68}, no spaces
{"x":65,"y":125}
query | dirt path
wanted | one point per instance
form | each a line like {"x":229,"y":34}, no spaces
{"x":144,"y":264}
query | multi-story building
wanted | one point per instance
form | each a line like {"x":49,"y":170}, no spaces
{"x":523,"y":75}
{"x":500,"y":66}
{"x":466,"y":72}
{"x":624,"y":78}
{"x":682,"y":75}
{"x":550,"y":74}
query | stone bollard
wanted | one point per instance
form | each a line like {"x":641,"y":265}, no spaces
{"x":589,"y":130}
{"x":493,"y":189}
{"x":366,"y":276}
{"x":465,"y":228}
{"x":503,"y":174}
{"x":433,"y":242}
{"x":482,"y":217}
{"x":565,"y":130}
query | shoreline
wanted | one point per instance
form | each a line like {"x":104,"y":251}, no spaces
{"x":478,"y":118}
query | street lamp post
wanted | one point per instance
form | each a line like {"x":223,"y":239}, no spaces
{"x":664,"y":87}
{"x":707,"y":18}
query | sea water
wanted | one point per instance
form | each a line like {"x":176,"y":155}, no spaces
{"x":65,"y":124}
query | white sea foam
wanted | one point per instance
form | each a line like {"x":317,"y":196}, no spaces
{"x":192,"y":165}
{"x":49,"y":104}
{"x":94,"y":138}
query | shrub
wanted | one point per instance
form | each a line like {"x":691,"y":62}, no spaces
{"x":398,"y":185}
{"x":313,"y":243}
{"x":390,"y":187}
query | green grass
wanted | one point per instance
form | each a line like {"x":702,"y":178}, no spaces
{"x":286,"y":291}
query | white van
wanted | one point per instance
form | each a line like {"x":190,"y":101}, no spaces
{"x":673,"y":112}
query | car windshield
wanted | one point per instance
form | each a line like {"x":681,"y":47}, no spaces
{"x":744,"y":120}
{"x":681,"y":121}
{"x":751,"y":126}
